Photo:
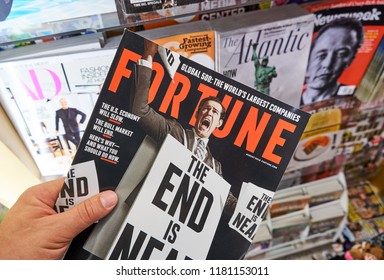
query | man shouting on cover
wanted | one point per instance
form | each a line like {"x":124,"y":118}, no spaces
{"x":209,"y":116}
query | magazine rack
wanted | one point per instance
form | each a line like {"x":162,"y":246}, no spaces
{"x":118,"y":20}
{"x":326,"y":208}
{"x":185,"y":12}
{"x":39,"y":27}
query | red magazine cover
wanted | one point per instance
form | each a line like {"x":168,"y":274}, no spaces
{"x":346,"y":36}
{"x":144,"y":140}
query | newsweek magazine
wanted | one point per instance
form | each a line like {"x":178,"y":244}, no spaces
{"x":172,"y":205}
{"x":326,"y":79}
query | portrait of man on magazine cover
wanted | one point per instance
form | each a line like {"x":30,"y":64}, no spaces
{"x":209,"y":116}
{"x":332,"y":52}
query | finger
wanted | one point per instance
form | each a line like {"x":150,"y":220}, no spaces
{"x":55,"y":187}
{"x":46,"y":192}
{"x":88,"y":212}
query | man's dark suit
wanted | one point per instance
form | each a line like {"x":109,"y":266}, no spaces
{"x":70,"y":124}
{"x":157,"y":127}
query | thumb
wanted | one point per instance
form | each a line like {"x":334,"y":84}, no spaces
{"x":88,"y":212}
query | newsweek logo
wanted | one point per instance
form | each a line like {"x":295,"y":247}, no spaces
{"x":373,"y":15}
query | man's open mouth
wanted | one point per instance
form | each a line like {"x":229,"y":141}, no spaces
{"x":206,"y":123}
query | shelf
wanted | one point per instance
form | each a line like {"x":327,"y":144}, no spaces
{"x":318,"y":213}
{"x":183,"y":12}
{"x":37,"y":25}
{"x":295,"y":248}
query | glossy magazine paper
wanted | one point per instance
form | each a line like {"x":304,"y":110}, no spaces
{"x":140,"y":141}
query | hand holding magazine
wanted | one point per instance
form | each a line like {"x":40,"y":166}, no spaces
{"x":195,"y":158}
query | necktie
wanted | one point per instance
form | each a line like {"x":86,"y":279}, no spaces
{"x":200,"y":149}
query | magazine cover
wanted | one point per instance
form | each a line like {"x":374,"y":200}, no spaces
{"x":364,"y":203}
{"x":370,"y":87}
{"x":185,"y":174}
{"x":364,"y":229}
{"x":215,"y":9}
{"x":197,"y":46}
{"x":194,"y":40}
{"x":266,"y":49}
{"x":322,"y":138}
{"x":49,"y":101}
{"x":140,"y":6}
{"x":346,"y":36}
